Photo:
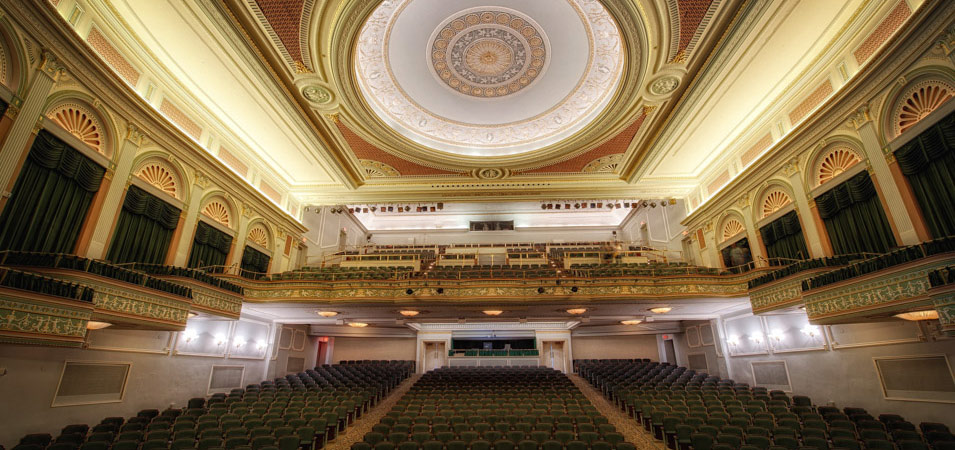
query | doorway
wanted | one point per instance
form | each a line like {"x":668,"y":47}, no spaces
{"x":669,"y":351}
{"x":434,"y":355}
{"x":552,"y":355}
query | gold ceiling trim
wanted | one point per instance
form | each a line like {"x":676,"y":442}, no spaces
{"x":622,"y":109}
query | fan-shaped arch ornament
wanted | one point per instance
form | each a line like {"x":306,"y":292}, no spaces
{"x":259,"y":235}
{"x":774,"y":201}
{"x":81,"y":123}
{"x":833,"y":163}
{"x":160,"y":176}
{"x":377,"y":169}
{"x":217,"y":211}
{"x":731,"y":228}
{"x":604,"y":164}
{"x":919,"y":101}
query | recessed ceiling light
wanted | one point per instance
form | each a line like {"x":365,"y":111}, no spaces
{"x":409,"y":312}
{"x":576,"y":310}
{"x":661,"y":310}
{"x":930,"y":314}
{"x":492,"y":312}
{"x":631,"y":322}
{"x":357,"y":324}
{"x":327,"y":313}
{"x":95,"y":325}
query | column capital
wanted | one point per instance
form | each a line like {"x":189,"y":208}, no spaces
{"x":50,"y":65}
{"x":13,"y":108}
{"x":791,"y":168}
{"x":38,"y":125}
{"x":947,"y":40}
{"x":135,"y":135}
{"x":247,"y":211}
{"x":743,"y":201}
{"x":859,"y":117}
{"x":202,"y":181}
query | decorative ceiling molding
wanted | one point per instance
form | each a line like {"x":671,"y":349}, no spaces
{"x":113,"y":57}
{"x":883,"y":32}
{"x":694,"y":16}
{"x":376,"y":169}
{"x":604,"y":164}
{"x":615,"y":145}
{"x":364,"y":150}
{"x":286,"y":24}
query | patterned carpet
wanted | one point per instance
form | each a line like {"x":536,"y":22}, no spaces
{"x":357,"y":430}
{"x":631,"y":430}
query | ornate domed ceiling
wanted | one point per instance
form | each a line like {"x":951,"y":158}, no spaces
{"x":480,"y":81}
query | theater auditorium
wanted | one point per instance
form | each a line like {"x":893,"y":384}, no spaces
{"x":477,"y":224}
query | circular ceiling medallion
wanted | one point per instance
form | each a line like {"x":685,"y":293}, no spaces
{"x":445,"y":75}
{"x":488,"y":52}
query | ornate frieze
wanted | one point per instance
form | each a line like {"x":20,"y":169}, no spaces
{"x":26,"y":319}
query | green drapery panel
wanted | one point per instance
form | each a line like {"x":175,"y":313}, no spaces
{"x":50,"y":198}
{"x":853,"y":217}
{"x":3,"y":106}
{"x":210,"y":247}
{"x":254,"y":260}
{"x":783,"y":238}
{"x":144,"y":230}
{"x":929,"y":164}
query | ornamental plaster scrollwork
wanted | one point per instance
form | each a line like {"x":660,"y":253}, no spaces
{"x":664,"y":85}
{"x":860,"y":117}
{"x":201,"y":180}
{"x":135,"y":134}
{"x":51,"y":65}
{"x":378,"y":169}
{"x":490,"y":173}
{"x":317,"y":94}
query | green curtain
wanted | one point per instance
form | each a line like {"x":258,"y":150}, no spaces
{"x":210,"y":246}
{"x":254,"y":260}
{"x":50,"y":198}
{"x":929,"y":164}
{"x":145,"y":228}
{"x":783,"y":238}
{"x":853,"y":217}
{"x":3,"y":106}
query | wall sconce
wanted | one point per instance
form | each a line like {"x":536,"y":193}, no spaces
{"x":777,"y":335}
{"x":260,"y":344}
{"x":733,"y":341}
{"x":220,"y":339}
{"x":238,"y":341}
{"x":756,"y":337}
{"x":810,"y":330}
{"x":189,"y":335}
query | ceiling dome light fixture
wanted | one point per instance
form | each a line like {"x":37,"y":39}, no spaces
{"x":576,"y":311}
{"x":327,"y":314}
{"x":661,"y":310}
{"x":357,"y":324}
{"x":930,"y":314}
{"x":631,"y":322}
{"x":96,"y":325}
{"x":493,"y":312}
{"x":409,"y":312}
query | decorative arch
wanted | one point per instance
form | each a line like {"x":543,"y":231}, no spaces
{"x":260,"y":235}
{"x":604,"y":164}
{"x":730,"y":226}
{"x":378,"y":169}
{"x":917,"y":99}
{"x":772,"y":200}
{"x":832,"y":161}
{"x":83,"y":121}
{"x":162,"y":175}
{"x":218,"y":209}
{"x":12,"y":58}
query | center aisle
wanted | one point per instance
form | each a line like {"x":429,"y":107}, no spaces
{"x":628,"y":427}
{"x":355,"y":433}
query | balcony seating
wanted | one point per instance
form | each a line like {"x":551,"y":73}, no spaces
{"x":527,"y":408}
{"x":301,"y":411}
{"x":44,"y":285}
{"x":686,"y":409}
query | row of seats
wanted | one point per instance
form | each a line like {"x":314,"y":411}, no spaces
{"x":482,"y":408}
{"x":300,"y":411}
{"x":687,"y":410}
